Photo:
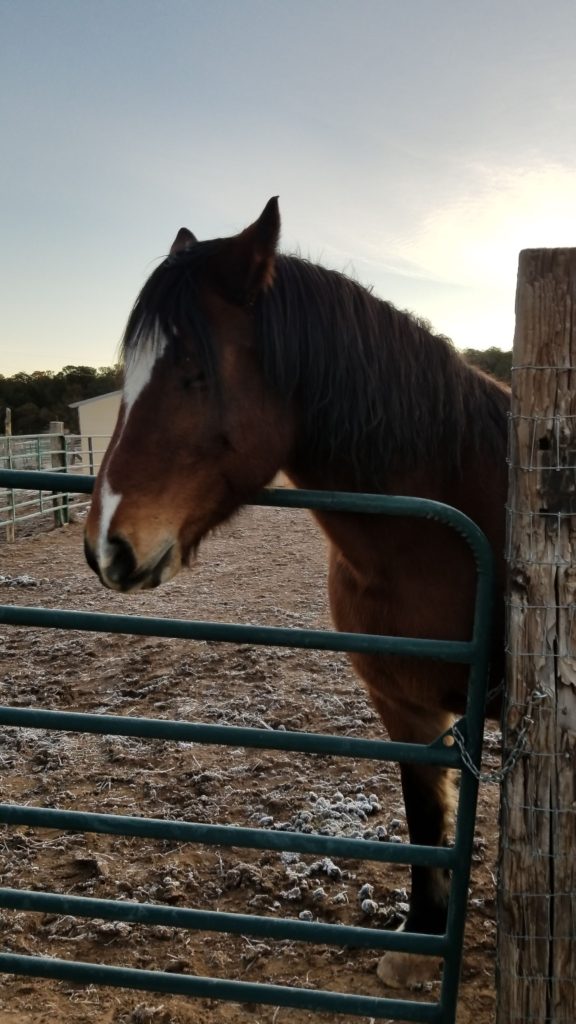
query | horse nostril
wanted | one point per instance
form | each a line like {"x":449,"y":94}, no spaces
{"x":90,"y":557}
{"x":121,"y":563}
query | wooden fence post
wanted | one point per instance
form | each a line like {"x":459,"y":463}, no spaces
{"x":58,"y":461}
{"x":10,"y":530}
{"x":537,"y":870}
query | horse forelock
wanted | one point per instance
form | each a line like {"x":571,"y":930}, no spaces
{"x":167,"y":310}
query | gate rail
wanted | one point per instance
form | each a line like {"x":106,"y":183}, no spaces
{"x":442,"y":752}
{"x":33,"y":453}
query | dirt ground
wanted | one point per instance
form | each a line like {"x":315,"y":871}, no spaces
{"x":267,"y":567}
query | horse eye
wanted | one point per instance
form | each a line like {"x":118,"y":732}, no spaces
{"x":195,"y":380}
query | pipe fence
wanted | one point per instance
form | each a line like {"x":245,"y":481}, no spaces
{"x":443,"y":752}
{"x":66,"y":453}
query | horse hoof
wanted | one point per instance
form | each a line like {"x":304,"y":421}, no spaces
{"x":407,"y":970}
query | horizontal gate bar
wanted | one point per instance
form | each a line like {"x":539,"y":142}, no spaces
{"x":233,"y":735}
{"x":218,"y":921}
{"x":39,"y":480}
{"x":229,"y":632}
{"x":227,"y":835}
{"x":283,"y":497}
{"x":219,"y":988}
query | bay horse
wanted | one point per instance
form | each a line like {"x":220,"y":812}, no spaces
{"x":240,"y":362}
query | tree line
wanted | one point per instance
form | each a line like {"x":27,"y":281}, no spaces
{"x":492,"y":360}
{"x":36,"y":399}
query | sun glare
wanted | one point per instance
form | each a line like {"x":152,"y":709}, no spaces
{"x":476,"y":240}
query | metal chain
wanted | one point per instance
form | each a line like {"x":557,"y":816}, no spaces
{"x":526,"y":722}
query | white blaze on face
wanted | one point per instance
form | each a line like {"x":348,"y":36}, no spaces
{"x":139,"y":365}
{"x":109,"y":502}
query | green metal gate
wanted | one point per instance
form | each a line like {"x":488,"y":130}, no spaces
{"x":443,"y":752}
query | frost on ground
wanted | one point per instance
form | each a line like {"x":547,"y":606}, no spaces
{"x":268,"y":567}
{"x":21,"y":581}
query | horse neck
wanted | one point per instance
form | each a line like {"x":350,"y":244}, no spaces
{"x":380,"y":404}
{"x":376,"y":547}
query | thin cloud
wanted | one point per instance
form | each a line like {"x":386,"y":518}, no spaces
{"x":476,"y":239}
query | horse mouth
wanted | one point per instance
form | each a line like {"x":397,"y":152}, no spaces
{"x":152,"y":576}
{"x":123,"y":574}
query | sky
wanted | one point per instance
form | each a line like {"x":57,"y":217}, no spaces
{"x":417,"y":145}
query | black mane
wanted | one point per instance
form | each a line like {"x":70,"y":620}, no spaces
{"x":371,"y":384}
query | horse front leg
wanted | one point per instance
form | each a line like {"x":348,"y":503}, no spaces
{"x":429,"y":801}
{"x":429,"y":798}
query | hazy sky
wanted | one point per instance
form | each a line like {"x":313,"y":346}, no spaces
{"x":418,"y":144}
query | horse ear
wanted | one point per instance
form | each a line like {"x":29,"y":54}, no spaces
{"x":183,"y":239}
{"x":245,"y":265}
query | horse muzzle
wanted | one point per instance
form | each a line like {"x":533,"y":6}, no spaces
{"x":118,"y":568}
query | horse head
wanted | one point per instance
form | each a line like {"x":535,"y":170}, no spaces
{"x":198,"y":431}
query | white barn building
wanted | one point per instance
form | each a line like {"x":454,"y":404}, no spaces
{"x":97,"y":417}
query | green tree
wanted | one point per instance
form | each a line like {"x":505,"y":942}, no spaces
{"x":492,"y":360}
{"x":39,"y":397}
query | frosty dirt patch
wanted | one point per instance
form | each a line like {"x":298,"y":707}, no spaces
{"x":268,"y":567}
